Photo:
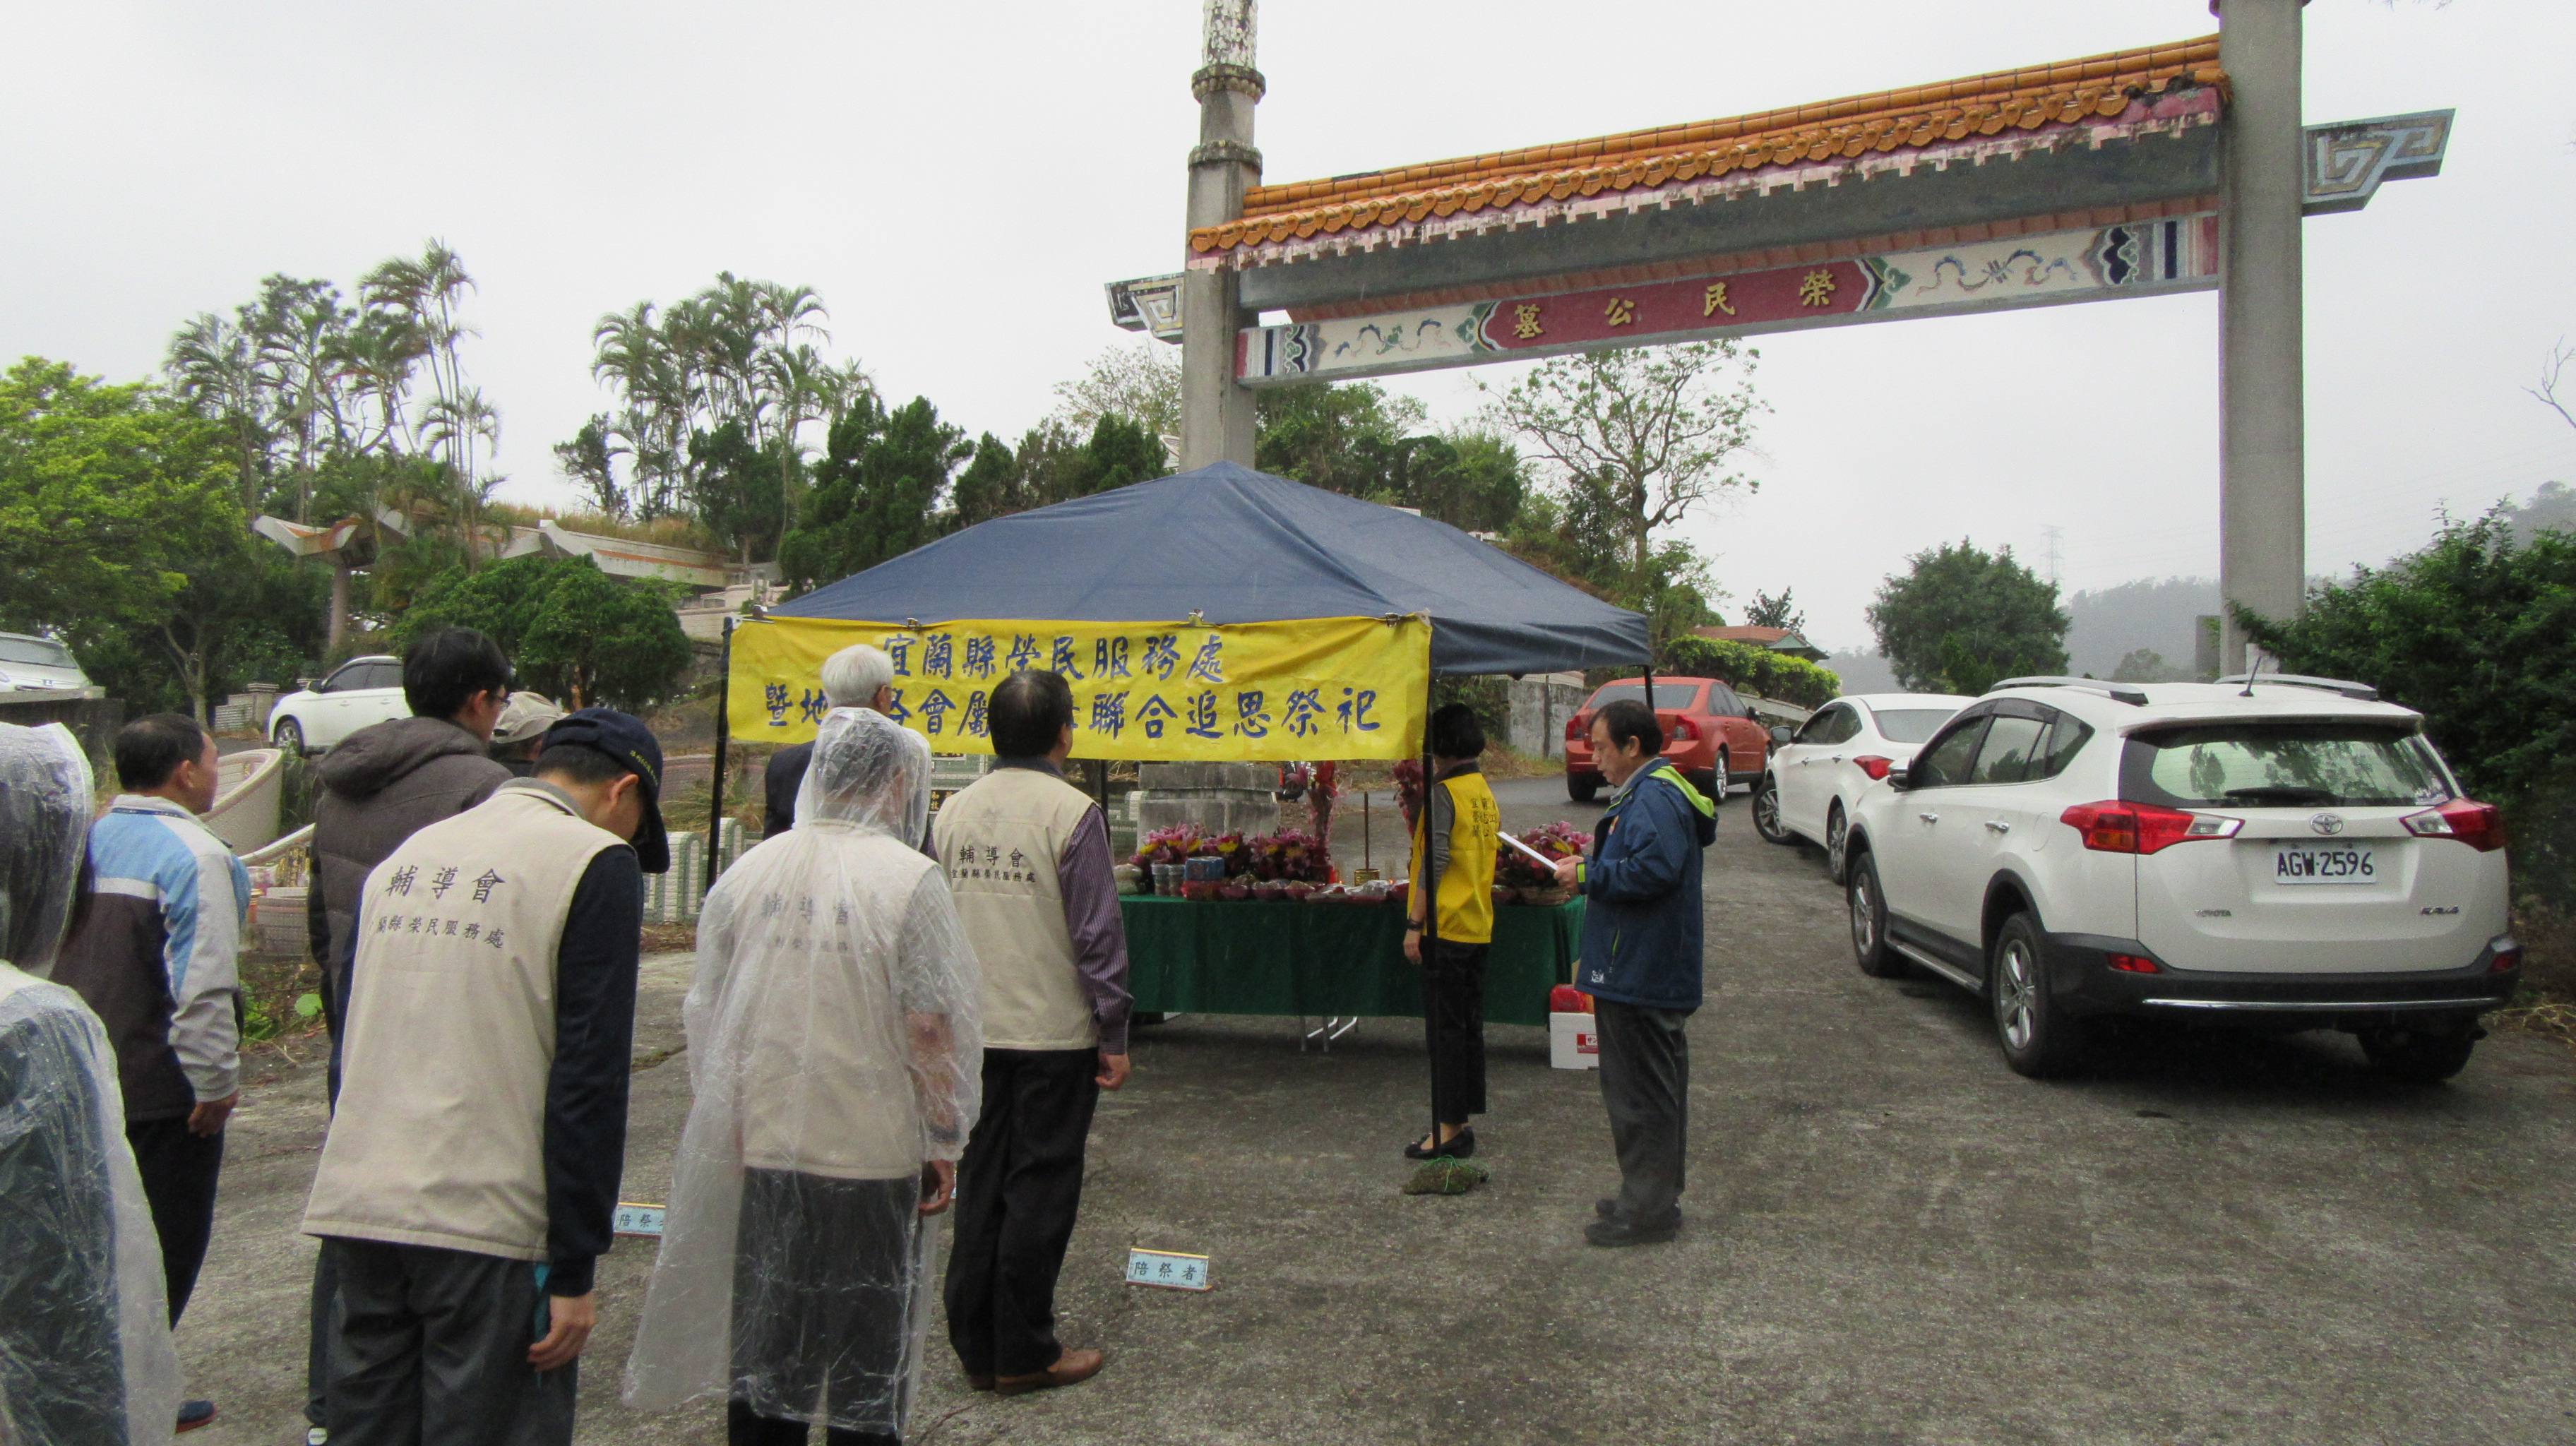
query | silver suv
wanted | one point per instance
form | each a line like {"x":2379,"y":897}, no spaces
{"x":2291,"y":854}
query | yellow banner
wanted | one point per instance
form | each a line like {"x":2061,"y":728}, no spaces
{"x":1314,"y":688}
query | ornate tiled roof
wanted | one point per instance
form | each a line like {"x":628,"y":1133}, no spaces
{"x":2130,"y":89}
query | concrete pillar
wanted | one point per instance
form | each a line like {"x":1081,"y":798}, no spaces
{"x":2262,"y":531}
{"x":1216,"y":414}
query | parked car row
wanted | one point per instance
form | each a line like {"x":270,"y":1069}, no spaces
{"x":2284,"y":854}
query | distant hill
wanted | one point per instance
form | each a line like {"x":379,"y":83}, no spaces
{"x":2156,"y":613}
{"x":2552,"y":507}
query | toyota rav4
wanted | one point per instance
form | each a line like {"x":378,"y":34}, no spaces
{"x":2286,"y":854}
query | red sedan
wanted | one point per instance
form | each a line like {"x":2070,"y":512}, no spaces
{"x":1706,"y":727}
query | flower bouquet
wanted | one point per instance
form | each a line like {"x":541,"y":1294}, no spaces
{"x":1538,"y":885}
{"x":1167,"y":846}
{"x":1229,"y":847}
{"x":1289,"y":856}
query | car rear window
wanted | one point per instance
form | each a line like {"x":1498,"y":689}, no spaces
{"x":1910,"y":725}
{"x":1667,"y":695}
{"x":2281,"y":765}
{"x":36,"y":652}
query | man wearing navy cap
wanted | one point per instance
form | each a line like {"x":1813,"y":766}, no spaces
{"x":470,"y":1176}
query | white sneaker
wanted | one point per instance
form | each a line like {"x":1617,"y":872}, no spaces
{"x":316,"y":1436}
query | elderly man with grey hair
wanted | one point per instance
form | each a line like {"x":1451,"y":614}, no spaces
{"x":858,"y":676}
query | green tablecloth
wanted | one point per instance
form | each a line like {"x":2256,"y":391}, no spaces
{"x":1329,"y":959}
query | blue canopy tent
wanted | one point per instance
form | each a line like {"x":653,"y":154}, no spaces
{"x":1226,"y":544}
{"x":1231,"y":545}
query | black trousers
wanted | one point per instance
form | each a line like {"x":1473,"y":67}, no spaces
{"x":1453,"y":1023}
{"x":746,"y":1427}
{"x":179,"y":1173}
{"x":1019,"y":1188}
{"x":433,"y":1351}
{"x":1645,"y":1085}
{"x":823,"y":1283}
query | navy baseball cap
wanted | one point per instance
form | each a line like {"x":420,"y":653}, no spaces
{"x":624,"y":737}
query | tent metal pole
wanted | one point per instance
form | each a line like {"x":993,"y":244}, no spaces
{"x":1430,"y":929}
{"x":1650,"y":688}
{"x":724,"y":732}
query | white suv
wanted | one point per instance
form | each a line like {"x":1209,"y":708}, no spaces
{"x":359,"y":693}
{"x":2291,"y":854}
{"x":1815,"y":774}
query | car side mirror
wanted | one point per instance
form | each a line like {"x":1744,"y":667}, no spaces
{"x":1780,"y":735}
{"x":1900,"y":778}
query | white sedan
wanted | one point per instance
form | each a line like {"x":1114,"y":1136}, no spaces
{"x":1816,"y":773}
{"x":360,"y":692}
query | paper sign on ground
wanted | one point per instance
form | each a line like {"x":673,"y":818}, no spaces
{"x":638,"y":1219}
{"x":1167,"y":1268}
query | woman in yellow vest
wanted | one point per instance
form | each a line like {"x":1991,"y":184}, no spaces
{"x":1453,"y":856}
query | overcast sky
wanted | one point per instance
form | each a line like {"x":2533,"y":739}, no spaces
{"x":958,"y":180}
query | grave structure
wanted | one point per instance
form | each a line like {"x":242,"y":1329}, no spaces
{"x":2181,"y":167}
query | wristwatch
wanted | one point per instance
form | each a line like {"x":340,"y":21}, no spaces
{"x":1413,"y":926}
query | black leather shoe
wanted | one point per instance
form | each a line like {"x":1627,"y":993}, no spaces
{"x":1459,"y":1146}
{"x":1613,"y":1232}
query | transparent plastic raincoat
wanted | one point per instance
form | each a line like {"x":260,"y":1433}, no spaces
{"x":835,"y":1047}
{"x":85,"y":1353}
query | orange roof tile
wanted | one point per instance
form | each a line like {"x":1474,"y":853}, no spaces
{"x":2062,"y":94}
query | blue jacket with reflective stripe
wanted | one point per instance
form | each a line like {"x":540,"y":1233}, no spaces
{"x":1641,"y":919}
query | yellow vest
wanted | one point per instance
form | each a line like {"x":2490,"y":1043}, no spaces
{"x":999,"y":839}
{"x":1467,"y":885}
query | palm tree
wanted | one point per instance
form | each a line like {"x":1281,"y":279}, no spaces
{"x":454,"y":425}
{"x":215,"y":367}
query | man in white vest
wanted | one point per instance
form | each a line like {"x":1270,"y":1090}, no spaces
{"x":470,"y":1177}
{"x":1027,"y":856}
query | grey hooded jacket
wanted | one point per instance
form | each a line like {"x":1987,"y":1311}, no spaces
{"x":380,"y":786}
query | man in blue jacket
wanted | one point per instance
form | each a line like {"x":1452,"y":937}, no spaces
{"x":1641,"y":965}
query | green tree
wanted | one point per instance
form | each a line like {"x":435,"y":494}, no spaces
{"x":876,"y":492}
{"x":118,"y":511}
{"x":1652,"y":431}
{"x":571,"y":631}
{"x":1471,"y":480}
{"x":1963,"y":618}
{"x":740,"y":353}
{"x":2477,"y":634}
{"x":1767,"y":611}
{"x":737,"y":489}
{"x":590,"y":461}
{"x":1344,"y":437}
{"x":1140,"y":381}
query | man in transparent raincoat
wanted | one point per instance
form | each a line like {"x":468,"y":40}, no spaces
{"x":85,"y":1353}
{"x":835,"y":1042}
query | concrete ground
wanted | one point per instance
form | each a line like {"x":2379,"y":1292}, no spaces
{"x":1891,"y":1237}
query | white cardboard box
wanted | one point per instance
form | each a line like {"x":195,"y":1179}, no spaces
{"x":1573,"y":1041}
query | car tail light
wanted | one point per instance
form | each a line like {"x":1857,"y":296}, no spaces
{"x":2507,"y":954}
{"x":1873,"y":765}
{"x":2479,"y":825}
{"x":1685,"y":731}
{"x":2143,"y":828}
{"x":2133,"y":964}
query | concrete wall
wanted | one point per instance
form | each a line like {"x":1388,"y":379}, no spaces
{"x":93,"y":721}
{"x":1218,"y":797}
{"x":1539,"y":707}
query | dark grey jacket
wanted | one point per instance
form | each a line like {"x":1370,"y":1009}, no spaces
{"x":380,"y":786}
